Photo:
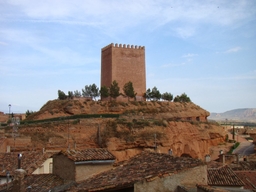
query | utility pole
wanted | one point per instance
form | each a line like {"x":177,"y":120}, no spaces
{"x":233,"y":132}
{"x":68,"y":134}
{"x":9,"y":111}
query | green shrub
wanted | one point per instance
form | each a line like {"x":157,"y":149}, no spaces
{"x":234,"y":147}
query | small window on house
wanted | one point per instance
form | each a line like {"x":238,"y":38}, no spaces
{"x":198,"y":118}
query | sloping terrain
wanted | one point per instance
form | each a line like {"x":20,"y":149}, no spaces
{"x":62,"y":108}
{"x":153,"y":126}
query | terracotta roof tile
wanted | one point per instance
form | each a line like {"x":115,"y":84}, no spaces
{"x":39,"y":183}
{"x":30,"y":161}
{"x":248,"y":177}
{"x":89,"y":154}
{"x":207,"y":188}
{"x":43,"y":182}
{"x":143,"y":166}
{"x":223,"y":176}
{"x":244,"y":165}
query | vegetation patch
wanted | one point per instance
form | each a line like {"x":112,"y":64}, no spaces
{"x":113,"y":129}
{"x":234,"y":147}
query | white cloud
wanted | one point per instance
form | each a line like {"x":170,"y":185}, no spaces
{"x":173,"y":65}
{"x":233,"y":50}
{"x":185,"y":16}
{"x":189,"y":55}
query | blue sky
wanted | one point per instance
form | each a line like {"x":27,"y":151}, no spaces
{"x":206,"y":49}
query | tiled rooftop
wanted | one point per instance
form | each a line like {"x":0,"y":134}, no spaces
{"x":207,"y":188}
{"x":89,"y":154}
{"x":249,"y":179}
{"x":244,"y":165}
{"x":43,"y":182}
{"x":30,"y":161}
{"x":214,"y":164}
{"x":223,"y":176}
{"x":146,"y":165}
{"x":39,"y":183}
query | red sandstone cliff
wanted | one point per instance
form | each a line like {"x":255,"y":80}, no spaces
{"x":182,"y":127}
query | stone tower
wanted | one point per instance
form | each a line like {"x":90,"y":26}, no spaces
{"x":124,"y":63}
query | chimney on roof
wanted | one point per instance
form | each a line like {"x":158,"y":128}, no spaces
{"x":222,"y":157}
{"x":207,"y":158}
{"x":170,"y":152}
{"x":19,"y":160}
{"x":18,"y":183}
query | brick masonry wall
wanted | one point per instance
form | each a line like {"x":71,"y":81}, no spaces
{"x":123,"y":64}
{"x":64,"y":167}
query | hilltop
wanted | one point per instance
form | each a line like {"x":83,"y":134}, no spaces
{"x":133,"y":127}
{"x":156,"y":109}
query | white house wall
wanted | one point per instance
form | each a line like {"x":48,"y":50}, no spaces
{"x":44,"y":168}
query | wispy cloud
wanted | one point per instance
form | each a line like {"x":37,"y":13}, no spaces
{"x":184,"y":16}
{"x":173,"y":65}
{"x":233,"y":50}
{"x":189,"y":55}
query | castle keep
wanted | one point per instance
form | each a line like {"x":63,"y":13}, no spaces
{"x":124,"y":63}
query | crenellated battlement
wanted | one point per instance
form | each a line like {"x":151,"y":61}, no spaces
{"x":116,"y":45}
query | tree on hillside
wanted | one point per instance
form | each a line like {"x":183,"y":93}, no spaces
{"x":77,"y":94}
{"x":182,"y":98}
{"x":90,"y":91}
{"x":147,"y":95}
{"x":167,"y":96}
{"x":155,"y":94}
{"x":114,"y":90}
{"x":95,"y":91}
{"x":104,"y":91}
{"x":28,"y":112}
{"x":61,"y":95}
{"x":129,"y":90}
{"x":70,"y":94}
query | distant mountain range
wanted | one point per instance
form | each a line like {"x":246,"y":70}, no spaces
{"x":239,"y":115}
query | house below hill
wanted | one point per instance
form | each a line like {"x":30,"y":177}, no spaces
{"x":150,"y":172}
{"x":79,"y":165}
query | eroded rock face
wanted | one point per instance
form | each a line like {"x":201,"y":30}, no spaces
{"x":154,"y":126}
{"x":183,"y":138}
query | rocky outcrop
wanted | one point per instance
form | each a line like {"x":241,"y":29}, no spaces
{"x":183,"y":138}
{"x":153,"y":126}
{"x":157,"y":109}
